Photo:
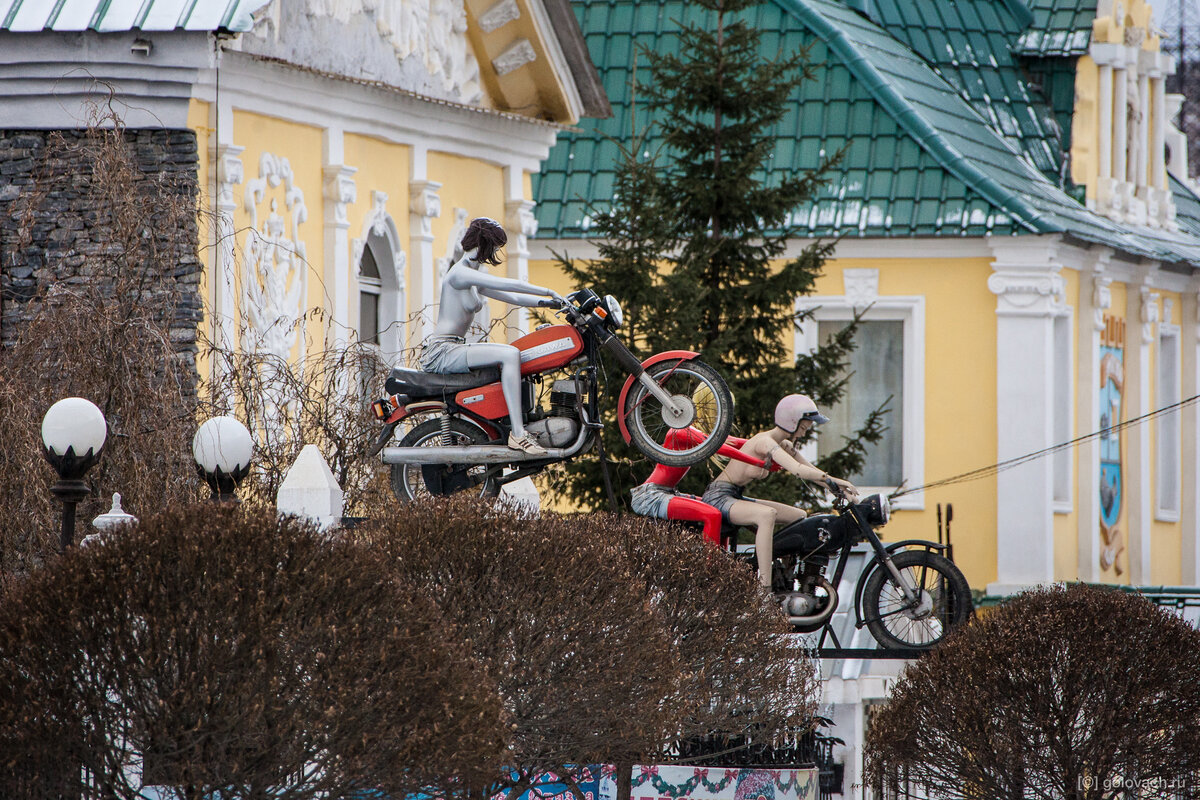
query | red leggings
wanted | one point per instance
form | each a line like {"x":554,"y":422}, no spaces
{"x":692,"y":510}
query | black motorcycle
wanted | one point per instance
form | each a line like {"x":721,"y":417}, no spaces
{"x":909,"y":595}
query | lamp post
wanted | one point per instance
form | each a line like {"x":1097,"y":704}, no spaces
{"x":223,"y":448}
{"x":73,"y":435}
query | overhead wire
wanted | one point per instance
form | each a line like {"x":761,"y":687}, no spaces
{"x":988,"y":471}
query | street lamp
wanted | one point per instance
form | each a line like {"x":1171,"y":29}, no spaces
{"x":223,"y":448}
{"x":73,"y":434}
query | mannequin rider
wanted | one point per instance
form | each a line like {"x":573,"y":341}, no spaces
{"x":795,"y":416}
{"x":462,"y":295}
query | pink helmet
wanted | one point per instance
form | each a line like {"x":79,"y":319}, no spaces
{"x":796,"y":407}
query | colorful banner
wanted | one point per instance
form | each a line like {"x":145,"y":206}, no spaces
{"x":1112,"y":395}
{"x":683,"y":783}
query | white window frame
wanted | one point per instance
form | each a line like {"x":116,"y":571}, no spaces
{"x":368,"y":285}
{"x":381,"y":235}
{"x":909,"y":309}
{"x":1063,"y":418}
{"x":1162,"y":478}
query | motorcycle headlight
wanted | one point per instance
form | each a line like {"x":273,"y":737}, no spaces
{"x":876,"y":510}
{"x":614,"y":311}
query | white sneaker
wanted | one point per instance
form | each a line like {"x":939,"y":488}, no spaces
{"x":526,"y":444}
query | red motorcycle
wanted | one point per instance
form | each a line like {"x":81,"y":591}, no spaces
{"x":456,"y":425}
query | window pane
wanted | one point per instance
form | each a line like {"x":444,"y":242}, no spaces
{"x":1168,"y":424}
{"x":367,"y":268}
{"x":368,"y":317}
{"x":876,"y":372}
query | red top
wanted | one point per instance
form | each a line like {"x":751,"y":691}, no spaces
{"x":686,"y":437}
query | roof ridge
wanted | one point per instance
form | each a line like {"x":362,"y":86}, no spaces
{"x":911,"y":120}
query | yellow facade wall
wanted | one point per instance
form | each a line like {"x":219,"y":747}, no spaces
{"x":197,"y":120}
{"x":960,"y":397}
{"x":1066,"y":526}
{"x":479,"y":188}
{"x":301,"y":146}
{"x":1166,"y":538}
{"x":382,"y":167}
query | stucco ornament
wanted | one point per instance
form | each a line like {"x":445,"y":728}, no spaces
{"x":276,"y":267}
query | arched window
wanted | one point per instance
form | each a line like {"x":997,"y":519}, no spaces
{"x":370,"y":287}
{"x":379,"y":271}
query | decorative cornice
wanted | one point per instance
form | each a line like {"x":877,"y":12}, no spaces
{"x":424,"y":206}
{"x":861,"y":286}
{"x":230,"y":172}
{"x":1149,"y":313}
{"x":518,"y":54}
{"x":379,"y":223}
{"x":1101,"y":300}
{"x":341,"y":191}
{"x":498,"y":15}
{"x":1029,"y":291}
{"x":523,"y":222}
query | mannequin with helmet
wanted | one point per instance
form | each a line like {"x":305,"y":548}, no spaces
{"x":464,"y":288}
{"x":795,"y":416}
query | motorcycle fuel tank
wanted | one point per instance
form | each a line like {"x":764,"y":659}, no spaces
{"x":549,"y":347}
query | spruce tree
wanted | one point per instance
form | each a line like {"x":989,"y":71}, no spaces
{"x":694,"y":241}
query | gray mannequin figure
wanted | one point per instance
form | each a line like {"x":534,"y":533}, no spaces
{"x":462,"y":295}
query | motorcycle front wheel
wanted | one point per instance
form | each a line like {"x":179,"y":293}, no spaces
{"x":408,"y":480}
{"x":701,"y":392}
{"x":943,"y":601}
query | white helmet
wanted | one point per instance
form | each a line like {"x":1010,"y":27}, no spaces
{"x":794,"y":408}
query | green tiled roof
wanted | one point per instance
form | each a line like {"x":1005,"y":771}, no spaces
{"x":1187,"y":207}
{"x":968,"y":42}
{"x":1060,"y":28}
{"x":109,"y":16}
{"x":920,"y":158}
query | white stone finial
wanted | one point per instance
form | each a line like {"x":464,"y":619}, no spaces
{"x":115,"y":517}
{"x":309,"y":490}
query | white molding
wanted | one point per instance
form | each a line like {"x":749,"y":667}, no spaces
{"x":553,"y":50}
{"x":393,"y":288}
{"x":1162,"y":513}
{"x":1064,"y":376}
{"x":909,"y":309}
{"x":393,"y":115}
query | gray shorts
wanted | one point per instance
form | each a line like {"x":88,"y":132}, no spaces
{"x":442,"y":354}
{"x":721,"y":495}
{"x":651,"y":499}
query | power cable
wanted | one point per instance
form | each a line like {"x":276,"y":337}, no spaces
{"x":985,"y":472}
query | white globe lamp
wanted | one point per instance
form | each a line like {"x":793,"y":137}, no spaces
{"x":223,"y":449}
{"x":73,"y":436}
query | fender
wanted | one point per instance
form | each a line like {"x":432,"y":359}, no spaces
{"x":666,"y":355}
{"x":874,"y":564}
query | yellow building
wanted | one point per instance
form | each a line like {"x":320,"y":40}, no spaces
{"x":1027,"y":249}
{"x":340,"y":145}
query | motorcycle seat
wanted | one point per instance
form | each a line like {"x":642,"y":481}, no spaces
{"x":420,"y":385}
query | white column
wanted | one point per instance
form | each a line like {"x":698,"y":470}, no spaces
{"x":521,"y":224}
{"x":1143,"y":148}
{"x":1120,"y":112}
{"x":1158,"y":142}
{"x":1029,"y":292}
{"x":1104,"y":130}
{"x":1142,"y":309}
{"x":229,"y":173}
{"x":339,"y":191}
{"x":1095,"y":298}
{"x":424,"y":206}
{"x":1190,"y":431}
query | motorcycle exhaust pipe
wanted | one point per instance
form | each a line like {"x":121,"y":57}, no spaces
{"x":483,"y":453}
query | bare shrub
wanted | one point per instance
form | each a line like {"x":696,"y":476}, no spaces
{"x":100,"y":327}
{"x":1058,"y":693}
{"x":232,"y":654}
{"x":609,"y":637}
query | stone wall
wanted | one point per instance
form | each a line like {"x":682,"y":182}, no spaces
{"x":57,"y":221}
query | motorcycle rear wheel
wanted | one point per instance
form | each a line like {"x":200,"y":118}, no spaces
{"x":941,"y":585}
{"x":408,"y":480}
{"x":706,"y":394}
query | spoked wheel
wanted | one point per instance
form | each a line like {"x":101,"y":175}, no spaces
{"x":411,"y":482}
{"x":943,"y":601}
{"x":702,"y":396}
